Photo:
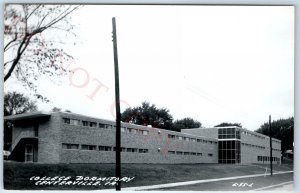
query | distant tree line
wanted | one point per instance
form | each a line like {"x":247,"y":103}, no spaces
{"x":149,"y":114}
{"x":282,"y":129}
{"x":146,"y":114}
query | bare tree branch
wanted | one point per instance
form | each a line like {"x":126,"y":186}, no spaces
{"x":60,"y":18}
{"x":27,"y":17}
{"x":15,"y":38}
{"x":39,"y":25}
{"x":19,"y":54}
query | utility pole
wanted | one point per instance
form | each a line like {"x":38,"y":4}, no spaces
{"x":270,"y":134}
{"x":118,"y":114}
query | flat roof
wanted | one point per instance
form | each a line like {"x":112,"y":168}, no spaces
{"x":31,"y":115}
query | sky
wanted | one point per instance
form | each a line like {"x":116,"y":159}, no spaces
{"x":211,"y":63}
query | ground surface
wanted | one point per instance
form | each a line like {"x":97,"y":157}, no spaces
{"x":17,"y":175}
{"x":245,"y":184}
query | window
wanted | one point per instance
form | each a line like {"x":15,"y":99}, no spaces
{"x":85,"y":123}
{"x":145,"y":132}
{"x":101,"y":125}
{"x":193,"y":139}
{"x":131,"y":149}
{"x":186,"y":153}
{"x":210,"y":154}
{"x":187,"y":139}
{"x":28,"y":153}
{"x":171,"y":152}
{"x":88,"y":147}
{"x":70,"y":146}
{"x":74,"y":122}
{"x":130,"y":130}
{"x":179,"y":138}
{"x":171,"y":136}
{"x":179,"y":152}
{"x":105,"y":148}
{"x":93,"y":124}
{"x":193,"y":153}
{"x":143,"y":150}
{"x":199,"y":154}
{"x":66,"y":120}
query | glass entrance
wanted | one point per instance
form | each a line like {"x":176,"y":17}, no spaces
{"x":29,"y":153}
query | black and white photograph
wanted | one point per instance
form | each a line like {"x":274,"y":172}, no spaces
{"x":132,"y":97}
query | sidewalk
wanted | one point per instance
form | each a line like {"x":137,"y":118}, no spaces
{"x":178,"y":184}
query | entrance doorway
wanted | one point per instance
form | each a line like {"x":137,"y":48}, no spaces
{"x":28,"y":152}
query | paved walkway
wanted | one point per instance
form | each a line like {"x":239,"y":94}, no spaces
{"x":177,"y":184}
{"x":285,"y":186}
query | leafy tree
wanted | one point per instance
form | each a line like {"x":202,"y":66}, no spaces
{"x":15,"y":103}
{"x":147,"y":114}
{"x":31,"y":45}
{"x":56,"y":109}
{"x":282,"y":129}
{"x":225,"y":124}
{"x":186,"y":123}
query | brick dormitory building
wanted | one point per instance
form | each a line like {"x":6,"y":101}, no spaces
{"x":62,"y":137}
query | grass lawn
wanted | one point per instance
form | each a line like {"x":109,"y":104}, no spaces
{"x":17,"y":175}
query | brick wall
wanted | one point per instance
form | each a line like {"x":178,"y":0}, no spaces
{"x":73,"y":134}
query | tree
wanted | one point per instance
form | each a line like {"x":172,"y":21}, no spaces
{"x":282,"y":129}
{"x":186,"y":123}
{"x":15,"y":103}
{"x":147,"y":114}
{"x":31,"y":45}
{"x":224,"y":124}
{"x":56,"y":109}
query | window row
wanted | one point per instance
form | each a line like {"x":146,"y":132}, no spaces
{"x":267,"y":158}
{"x":102,"y":148}
{"x":255,"y":146}
{"x":229,"y":144}
{"x":170,"y":136}
{"x":253,"y":134}
{"x":276,"y":149}
{"x":275,"y":141}
{"x":134,"y":131}
{"x":184,"y":153}
{"x":229,"y":133}
{"x":229,"y":154}
{"x":103,"y":126}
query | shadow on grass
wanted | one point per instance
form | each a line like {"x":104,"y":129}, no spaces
{"x":17,"y":175}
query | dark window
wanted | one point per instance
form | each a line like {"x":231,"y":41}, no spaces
{"x":105,"y":148}
{"x":70,"y":146}
{"x":143,"y":150}
{"x":85,"y":123}
{"x":66,"y":120}
{"x":93,"y":124}
{"x":88,"y":147}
